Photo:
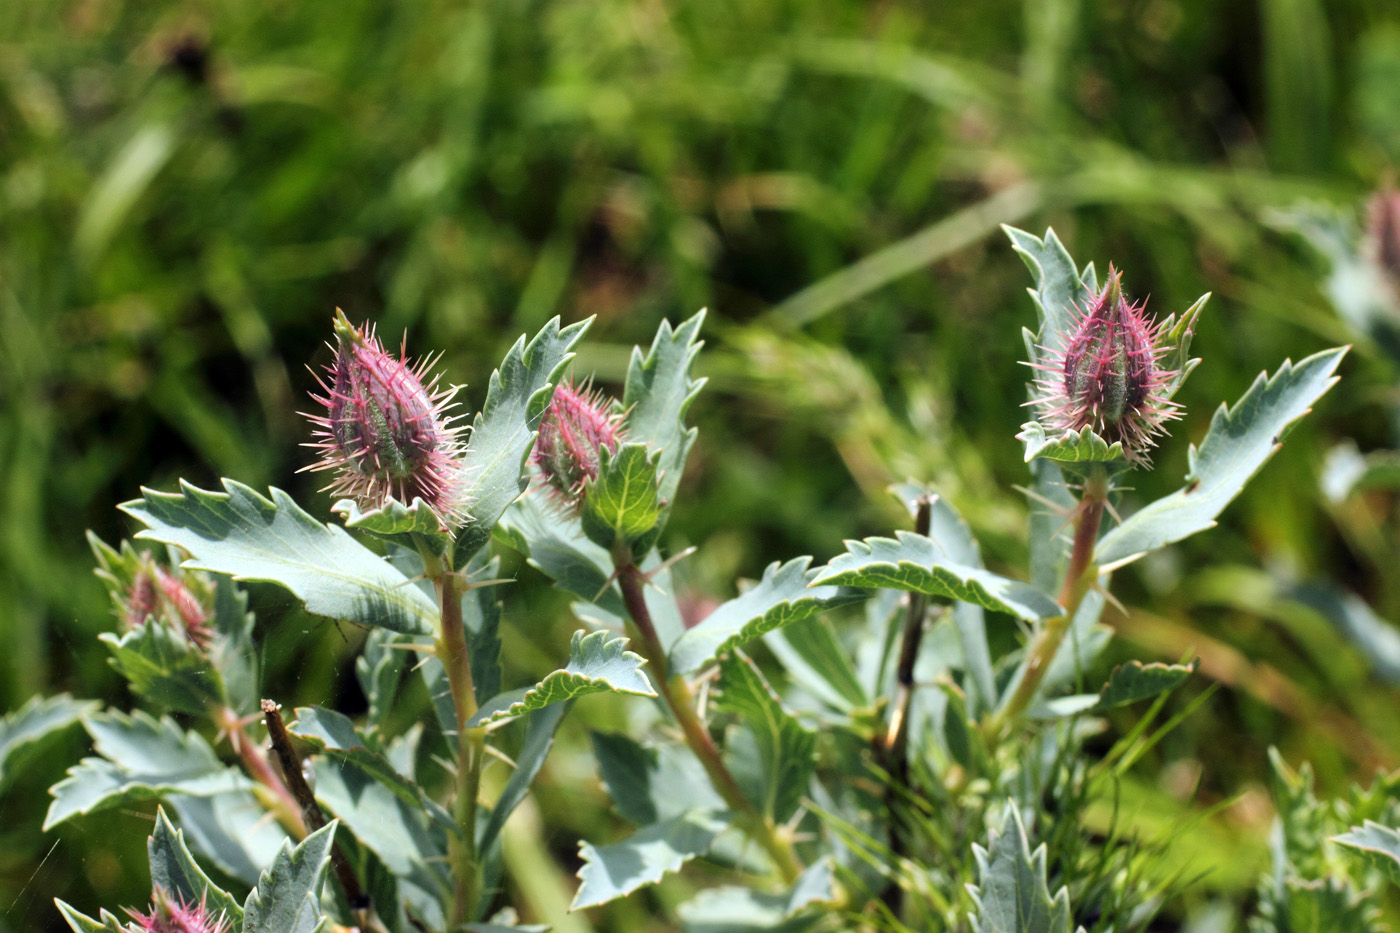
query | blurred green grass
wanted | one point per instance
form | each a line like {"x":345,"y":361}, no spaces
{"x":188,"y":190}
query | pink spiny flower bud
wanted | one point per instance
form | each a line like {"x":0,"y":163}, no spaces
{"x":576,"y":426}
{"x":1107,"y":376}
{"x":386,"y":431}
{"x":172,"y":598}
{"x":172,"y":915}
{"x":1383,"y":233}
{"x":187,"y":608}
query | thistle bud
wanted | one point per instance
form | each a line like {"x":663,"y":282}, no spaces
{"x":1107,"y":376}
{"x":172,"y":915}
{"x":386,"y":432}
{"x":576,"y":426}
{"x":176,"y":599}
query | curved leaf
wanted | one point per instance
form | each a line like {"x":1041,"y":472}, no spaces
{"x":785,"y":595}
{"x":1068,"y":447}
{"x":612,"y":871}
{"x":166,"y":667}
{"x":622,"y":505}
{"x":1060,"y":289}
{"x":404,"y":524}
{"x":1011,"y":893}
{"x":657,"y":393}
{"x":598,"y":663}
{"x":174,"y":870}
{"x":1241,"y":439}
{"x":33,"y":722}
{"x":916,"y":563}
{"x":504,"y":432}
{"x":288,"y":896}
{"x":240,"y":533}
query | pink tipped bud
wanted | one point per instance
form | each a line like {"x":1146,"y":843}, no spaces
{"x":171,"y":915}
{"x":1108,"y":377}
{"x":176,"y":599}
{"x":576,"y":426}
{"x":385,"y":432}
{"x":1383,"y":232}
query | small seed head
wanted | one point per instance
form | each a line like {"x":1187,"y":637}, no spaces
{"x":1107,"y":376}
{"x":576,"y":426}
{"x":386,"y":431}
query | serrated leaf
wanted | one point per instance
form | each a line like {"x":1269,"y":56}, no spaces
{"x":786,"y":750}
{"x":409,"y":841}
{"x":378,"y":671}
{"x":1241,"y":439}
{"x":174,"y":870}
{"x":1067,"y":446}
{"x":481,"y":615}
{"x":643,"y":782}
{"x":785,"y":595}
{"x":744,"y":910}
{"x":406,"y":525}
{"x":1136,"y":681}
{"x":232,"y":651}
{"x":612,"y":871}
{"x":813,"y":656}
{"x":1379,"y":847}
{"x":599,"y":662}
{"x":287,"y":898}
{"x":333,"y":734}
{"x":22,"y":731}
{"x":504,"y":432}
{"x":622,"y":504}
{"x":556,"y":546}
{"x":1060,"y":290}
{"x":165,"y":667}
{"x":231,"y":832}
{"x":1011,"y":891}
{"x":81,"y":923}
{"x":240,"y":533}
{"x":658,"y":391}
{"x":539,"y":737}
{"x":142,"y":759}
{"x":1324,"y":905}
{"x":916,"y":563}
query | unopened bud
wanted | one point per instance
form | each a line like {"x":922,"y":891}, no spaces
{"x":576,"y":426}
{"x":1107,"y":377}
{"x":386,"y":432}
{"x":173,"y":915}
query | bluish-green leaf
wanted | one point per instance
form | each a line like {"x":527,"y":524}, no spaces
{"x":612,"y":871}
{"x":1378,"y":845}
{"x":174,"y":870}
{"x":334,"y":735}
{"x":1347,"y":470}
{"x":814,"y":656}
{"x":786,"y":750}
{"x":287,"y":898}
{"x":556,"y":546}
{"x":142,"y":759}
{"x":1060,"y":289}
{"x":81,"y":923}
{"x":23,"y":731}
{"x":503,"y":434}
{"x":785,"y":595}
{"x":733,"y":909}
{"x":916,"y":563}
{"x":622,"y":504}
{"x":379,"y":670}
{"x":249,"y":537}
{"x":599,"y":662}
{"x":1241,"y":439}
{"x":406,"y":525}
{"x":165,"y":667}
{"x":1135,"y":681}
{"x":644,"y":782}
{"x":231,"y":832}
{"x":1011,"y":893}
{"x":1067,"y":446}
{"x":481,"y":616}
{"x":232,"y":651}
{"x":539,"y":737}
{"x":657,"y":393}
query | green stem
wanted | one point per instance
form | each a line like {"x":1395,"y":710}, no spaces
{"x":455,"y":655}
{"x":1079,"y":579}
{"x":676,"y":692}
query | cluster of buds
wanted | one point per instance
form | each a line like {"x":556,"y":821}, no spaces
{"x":576,"y":426}
{"x":386,"y":431}
{"x":172,"y":915}
{"x":1107,"y":376}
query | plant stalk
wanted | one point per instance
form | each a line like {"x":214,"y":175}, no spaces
{"x":1079,"y":579}
{"x":282,"y":804}
{"x":676,"y":692}
{"x":455,"y":655}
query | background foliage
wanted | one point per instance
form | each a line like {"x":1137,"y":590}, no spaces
{"x":187,"y":190}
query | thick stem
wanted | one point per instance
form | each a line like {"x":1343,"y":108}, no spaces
{"x":676,"y":692}
{"x":1079,"y":579}
{"x":455,"y":655}
{"x":282,"y":804}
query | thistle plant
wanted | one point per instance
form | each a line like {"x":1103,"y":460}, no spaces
{"x":851,"y":745}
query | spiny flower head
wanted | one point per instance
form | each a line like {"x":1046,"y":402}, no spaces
{"x":174,"y":598}
{"x":172,"y":915}
{"x":1108,"y":376}
{"x":576,"y":426}
{"x":386,"y":431}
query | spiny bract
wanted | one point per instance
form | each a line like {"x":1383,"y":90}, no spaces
{"x":575,"y":428}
